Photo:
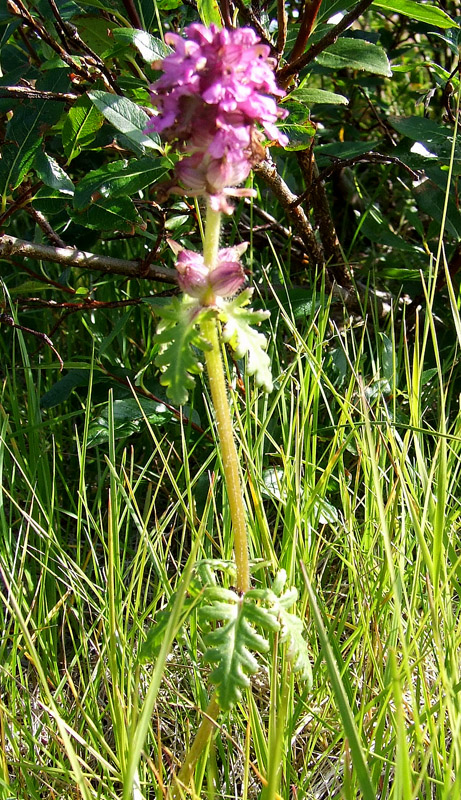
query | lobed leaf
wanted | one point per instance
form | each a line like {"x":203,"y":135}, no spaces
{"x":231,"y":647}
{"x":177,"y":359}
{"x":239,"y":333}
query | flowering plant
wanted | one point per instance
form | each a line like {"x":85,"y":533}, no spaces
{"x":215,"y":103}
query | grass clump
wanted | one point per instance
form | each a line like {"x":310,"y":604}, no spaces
{"x":351,"y":480}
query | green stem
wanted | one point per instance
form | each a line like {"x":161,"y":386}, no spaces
{"x":212,"y":234}
{"x":218,"y":389}
{"x":203,"y":736}
{"x":215,"y":368}
{"x":229,"y":455}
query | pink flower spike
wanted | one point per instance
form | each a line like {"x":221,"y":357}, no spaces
{"x":215,"y":99}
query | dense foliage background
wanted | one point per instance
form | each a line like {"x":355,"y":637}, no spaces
{"x":351,"y":465}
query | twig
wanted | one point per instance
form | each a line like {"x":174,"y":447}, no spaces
{"x":282,"y":20}
{"x":132,"y":13}
{"x":70,"y":34}
{"x":84,"y":305}
{"x":11,"y":246}
{"x":18,"y":9}
{"x":43,"y":223}
{"x":7,"y":320}
{"x":20,"y":201}
{"x":323,"y":219}
{"x":31,"y":93}
{"x":226,"y":14}
{"x":250,"y":17}
{"x":297,"y":215}
{"x":293,"y":67}
{"x":341,"y":163}
{"x":311,"y":9}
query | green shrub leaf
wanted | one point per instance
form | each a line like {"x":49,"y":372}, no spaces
{"x":118,"y":178}
{"x":80,"y":127}
{"x":356,"y":54}
{"x":423,"y":12}
{"x":126,"y":117}
{"x":149,"y":47}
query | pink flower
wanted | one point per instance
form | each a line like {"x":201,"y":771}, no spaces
{"x":197,"y":280}
{"x":217,"y":87}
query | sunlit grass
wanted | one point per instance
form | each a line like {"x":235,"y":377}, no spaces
{"x":351,"y":471}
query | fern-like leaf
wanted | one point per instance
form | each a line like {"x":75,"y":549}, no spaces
{"x":231,"y":646}
{"x":291,"y":628}
{"x":178,"y":334}
{"x":244,"y":339}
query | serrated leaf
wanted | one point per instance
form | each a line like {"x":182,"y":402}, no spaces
{"x":423,"y":12}
{"x":80,"y":127}
{"x":179,"y":334}
{"x":231,"y":648}
{"x":291,"y":633}
{"x":149,"y":47}
{"x":356,"y":54}
{"x":116,"y":179}
{"x":52,"y":174}
{"x":126,"y":117}
{"x":240,"y":334}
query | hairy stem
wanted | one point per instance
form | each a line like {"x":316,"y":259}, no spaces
{"x":215,"y":369}
{"x":229,"y":455}
{"x":212,"y":234}
{"x":218,"y":389}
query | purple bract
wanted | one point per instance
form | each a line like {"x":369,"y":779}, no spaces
{"x":216,"y":88}
{"x":197,"y":280}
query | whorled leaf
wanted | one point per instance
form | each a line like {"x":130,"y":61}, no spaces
{"x":244,"y":339}
{"x":178,"y":334}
